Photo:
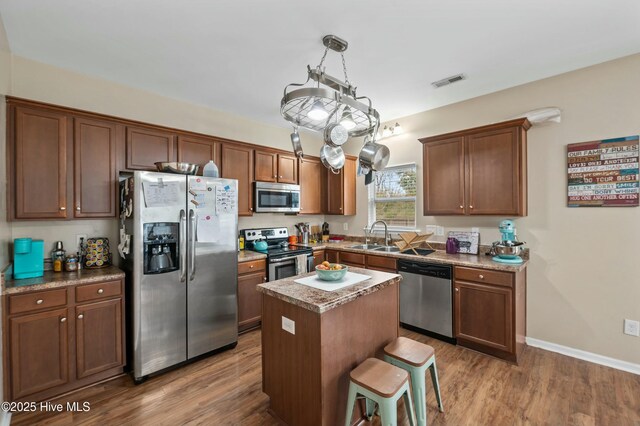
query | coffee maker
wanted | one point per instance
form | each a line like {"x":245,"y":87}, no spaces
{"x":509,"y":248}
{"x":28,"y":258}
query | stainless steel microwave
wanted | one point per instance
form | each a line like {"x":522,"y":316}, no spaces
{"x":277,"y":197}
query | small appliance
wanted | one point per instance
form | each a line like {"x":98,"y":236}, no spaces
{"x":507,"y":250}
{"x":28,"y":258}
{"x":277,"y":197}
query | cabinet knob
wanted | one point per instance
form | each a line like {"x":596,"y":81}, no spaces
{"x":250,"y":209}
{"x":251,"y":266}
{"x":100,"y":291}
{"x":62,"y":208}
{"x":275,"y":176}
{"x":457,"y":289}
{"x":39,"y":301}
{"x":264,"y":279}
{"x":470,"y":207}
{"x":481,"y":276}
{"x":340,"y":208}
{"x":63,"y":319}
{"x":461,"y":206}
{"x":78,"y":208}
{"x":280,"y":177}
{"x":80,"y":316}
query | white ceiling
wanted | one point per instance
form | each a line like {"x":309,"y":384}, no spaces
{"x":237,"y":56}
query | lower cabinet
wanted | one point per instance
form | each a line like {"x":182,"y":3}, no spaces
{"x":250,"y":274}
{"x":489,"y":310}
{"x":331,"y":256}
{"x":381,"y":263}
{"x":352,"y":259}
{"x":55,"y":344}
{"x":318,"y":257}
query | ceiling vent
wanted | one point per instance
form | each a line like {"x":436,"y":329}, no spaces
{"x":449,"y":80}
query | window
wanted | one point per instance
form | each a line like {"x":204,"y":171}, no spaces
{"x":392,"y":197}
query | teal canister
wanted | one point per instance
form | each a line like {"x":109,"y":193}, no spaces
{"x":28,"y":258}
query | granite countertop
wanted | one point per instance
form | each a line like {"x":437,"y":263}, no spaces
{"x":439,"y":256}
{"x":247,"y":255}
{"x":52,"y":279}
{"x":322,"y":301}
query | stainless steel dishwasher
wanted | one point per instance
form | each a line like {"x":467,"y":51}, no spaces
{"x":426,"y":298}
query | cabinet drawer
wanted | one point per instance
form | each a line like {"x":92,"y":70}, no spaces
{"x":98,"y":291}
{"x":484,"y":276}
{"x":381,"y":262}
{"x":251,"y":266}
{"x":37,"y":301}
{"x":355,"y":259}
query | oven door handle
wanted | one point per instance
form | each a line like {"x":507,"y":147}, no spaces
{"x":283,"y":260}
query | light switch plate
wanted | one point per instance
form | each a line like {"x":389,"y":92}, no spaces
{"x":288,"y":325}
{"x":439,"y":230}
{"x":631,"y":327}
{"x":431,"y":229}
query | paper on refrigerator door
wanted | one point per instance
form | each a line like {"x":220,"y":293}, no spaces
{"x":225,"y":199}
{"x":161,"y":194}
{"x":208,"y":228}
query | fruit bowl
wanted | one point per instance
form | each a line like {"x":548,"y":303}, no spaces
{"x":331,"y":274}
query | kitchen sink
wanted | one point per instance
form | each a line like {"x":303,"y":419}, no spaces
{"x":366,"y":246}
{"x":388,"y":249}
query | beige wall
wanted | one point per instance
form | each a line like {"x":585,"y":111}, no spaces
{"x":584,"y":275}
{"x":34,"y":80}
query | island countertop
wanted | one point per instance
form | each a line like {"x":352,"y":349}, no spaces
{"x":320,"y":301}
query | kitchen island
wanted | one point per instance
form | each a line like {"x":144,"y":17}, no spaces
{"x":312,"y":339}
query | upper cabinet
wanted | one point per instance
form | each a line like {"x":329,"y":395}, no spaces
{"x":275,"y":167}
{"x":39,"y":153}
{"x":341,"y":189}
{"x":237,"y":163}
{"x":311,"y":172}
{"x":480,"y":171}
{"x":145,"y":147}
{"x":94,"y":168}
{"x":198,"y":151}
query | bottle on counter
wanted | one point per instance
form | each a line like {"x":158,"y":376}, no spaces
{"x":71,"y":263}
{"x":240,"y":242}
{"x":210,"y":169}
{"x":58,"y":257}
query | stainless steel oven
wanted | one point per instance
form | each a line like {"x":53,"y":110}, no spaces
{"x":277,"y":197}
{"x":285,"y":267}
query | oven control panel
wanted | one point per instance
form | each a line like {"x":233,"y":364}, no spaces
{"x":267,"y":234}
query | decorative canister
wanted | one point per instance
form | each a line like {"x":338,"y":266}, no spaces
{"x":71,"y":263}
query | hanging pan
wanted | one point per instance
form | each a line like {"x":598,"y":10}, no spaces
{"x":332,"y":157}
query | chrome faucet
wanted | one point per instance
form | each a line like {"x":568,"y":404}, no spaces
{"x":386,"y":230}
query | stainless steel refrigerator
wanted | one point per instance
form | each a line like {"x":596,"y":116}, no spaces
{"x":181,"y":267}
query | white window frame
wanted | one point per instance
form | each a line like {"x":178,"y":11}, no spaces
{"x":372,"y":204}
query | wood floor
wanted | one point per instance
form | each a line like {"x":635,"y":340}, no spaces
{"x":225,"y":389}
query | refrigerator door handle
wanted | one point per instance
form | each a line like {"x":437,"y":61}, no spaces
{"x":183,"y":246}
{"x":192,"y":241}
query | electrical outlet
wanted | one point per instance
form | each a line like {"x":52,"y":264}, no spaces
{"x":631,"y":327}
{"x":475,"y":230}
{"x":345,"y":226}
{"x":431,"y":229}
{"x":288,"y":325}
{"x":78,"y":236}
{"x":440,"y":230}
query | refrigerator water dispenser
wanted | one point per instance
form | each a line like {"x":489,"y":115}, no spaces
{"x":161,"y":247}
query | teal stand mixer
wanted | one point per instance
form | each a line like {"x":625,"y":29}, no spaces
{"x":508,"y":250}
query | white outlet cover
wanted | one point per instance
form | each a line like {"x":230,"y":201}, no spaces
{"x":78,"y":236}
{"x":345,"y":226}
{"x":431,"y":229}
{"x":440,"y":230}
{"x":475,"y":229}
{"x":288,"y":325}
{"x":631,"y":327}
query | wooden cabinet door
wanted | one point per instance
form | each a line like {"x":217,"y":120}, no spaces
{"x":98,"y":337}
{"x":443,"y":177}
{"x":266,"y":168}
{"x":310,"y":174}
{"x":483,"y":315}
{"x":287,"y":169}
{"x":145,"y":147}
{"x":249,"y":300}
{"x":341,"y":190}
{"x":318,"y":257}
{"x":94,"y":168}
{"x":331,"y":256}
{"x":237,"y":163}
{"x":494,"y":172}
{"x":39,"y":352}
{"x":198,"y":151}
{"x":40,"y":154}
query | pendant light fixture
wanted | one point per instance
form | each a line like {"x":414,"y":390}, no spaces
{"x":324,"y":100}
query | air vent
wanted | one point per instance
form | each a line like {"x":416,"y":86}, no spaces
{"x":449,"y":80}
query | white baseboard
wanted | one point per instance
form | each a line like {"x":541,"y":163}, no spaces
{"x":5,"y":418}
{"x":585,"y":356}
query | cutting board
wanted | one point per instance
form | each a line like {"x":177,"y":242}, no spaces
{"x":350,"y":278}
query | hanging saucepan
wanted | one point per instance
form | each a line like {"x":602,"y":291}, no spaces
{"x":332,"y":157}
{"x":295,"y":141}
{"x":335,"y":135}
{"x":373,"y":156}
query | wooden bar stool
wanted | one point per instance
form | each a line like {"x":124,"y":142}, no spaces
{"x":383,"y":384}
{"x":416,"y":358}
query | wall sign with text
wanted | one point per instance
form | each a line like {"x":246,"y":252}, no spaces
{"x":604,"y":173}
